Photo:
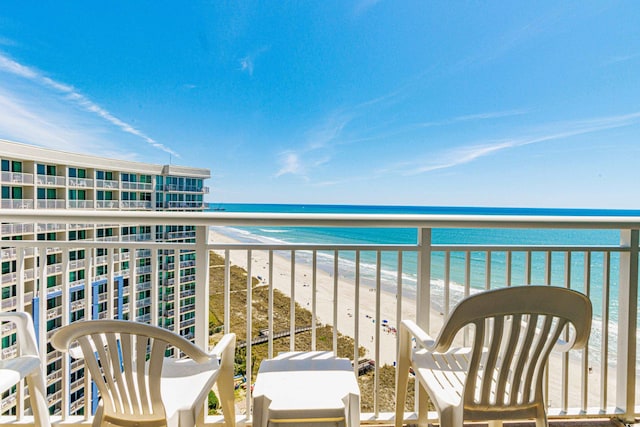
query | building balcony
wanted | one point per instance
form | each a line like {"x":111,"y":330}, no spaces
{"x":184,"y":205}
{"x":107,"y":204}
{"x":16,"y":178}
{"x":107,"y":183}
{"x":81,"y":204}
{"x":51,"y":203}
{"x":51,"y":180}
{"x":11,"y":229}
{"x":81,"y":182}
{"x":17,"y":204}
{"x":363,"y":289}
{"x":139,"y":186}
{"x":135,"y":204}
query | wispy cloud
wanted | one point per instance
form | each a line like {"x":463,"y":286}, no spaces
{"x":621,"y":58}
{"x":72,"y":95}
{"x":247,"y":63}
{"x":317,"y":149}
{"x":466,"y":154}
{"x":290,"y":164}
{"x":363,"y":5}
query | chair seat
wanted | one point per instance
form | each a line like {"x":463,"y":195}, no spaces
{"x":444,"y":374}
{"x":184,"y":386}
{"x":13,"y":370}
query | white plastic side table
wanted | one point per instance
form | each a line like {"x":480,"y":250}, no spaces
{"x":306,"y":388}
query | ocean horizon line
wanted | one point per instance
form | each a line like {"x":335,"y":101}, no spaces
{"x":417,"y":209}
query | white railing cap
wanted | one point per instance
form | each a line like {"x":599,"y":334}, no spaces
{"x":326,"y":220}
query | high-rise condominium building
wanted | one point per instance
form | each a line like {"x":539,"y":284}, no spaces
{"x":39,"y":178}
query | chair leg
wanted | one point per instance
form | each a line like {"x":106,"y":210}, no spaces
{"x":38,"y":398}
{"x":225,"y":387}
{"x":541,"y":419}
{"x":97,"y":417}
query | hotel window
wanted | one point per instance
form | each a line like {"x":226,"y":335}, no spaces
{"x":46,"y":193}
{"x":77,"y":195}
{"x":76,"y":255}
{"x":54,"y":302}
{"x":43,"y":169}
{"x":105,"y":195}
{"x":77,"y":296}
{"x":8,"y":267}
{"x":47,"y":236}
{"x":52,"y":281}
{"x":11,"y":166}
{"x":105,"y":232}
{"x":77,"y":173}
{"x":77,"y":235}
{"x":11,"y":193}
{"x":104,"y":175}
{"x":76,"y":275}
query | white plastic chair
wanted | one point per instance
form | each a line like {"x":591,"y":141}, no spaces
{"x":500,"y":376}
{"x":26,"y":364}
{"x":138,"y":386}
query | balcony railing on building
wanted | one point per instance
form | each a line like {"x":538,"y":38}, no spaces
{"x":598,"y":382}
{"x":16,"y":178}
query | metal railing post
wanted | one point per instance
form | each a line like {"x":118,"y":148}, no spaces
{"x":423,"y":308}
{"x":627,"y":321}
{"x":201,"y":327}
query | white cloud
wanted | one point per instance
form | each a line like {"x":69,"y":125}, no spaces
{"x":248,"y":61}
{"x":246,"y":64}
{"x":556,"y":131}
{"x":290,"y":164}
{"x":70,"y":94}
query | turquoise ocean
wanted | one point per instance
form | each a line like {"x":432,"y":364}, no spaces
{"x":521,"y":237}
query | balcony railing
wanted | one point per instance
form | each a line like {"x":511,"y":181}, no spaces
{"x":17,"y":204}
{"x":51,"y":203}
{"x":81,"y":204}
{"x":59,"y":181}
{"x":107,"y":204}
{"x":80,"y":182}
{"x":135,"y":204}
{"x":16,"y":178}
{"x":351,"y":287}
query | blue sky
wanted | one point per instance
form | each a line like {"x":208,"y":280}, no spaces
{"x":503,"y":103}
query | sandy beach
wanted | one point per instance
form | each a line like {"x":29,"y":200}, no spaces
{"x":365,"y":313}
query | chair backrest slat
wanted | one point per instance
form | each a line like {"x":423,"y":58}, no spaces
{"x":119,"y":393}
{"x":142,"y":404}
{"x":502,"y":393}
{"x":495,"y":342}
{"x":156,"y":360}
{"x":521,"y":358}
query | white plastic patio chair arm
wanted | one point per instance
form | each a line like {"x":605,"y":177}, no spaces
{"x":422,"y":338}
{"x":226,"y":344}
{"x":24,"y":328}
